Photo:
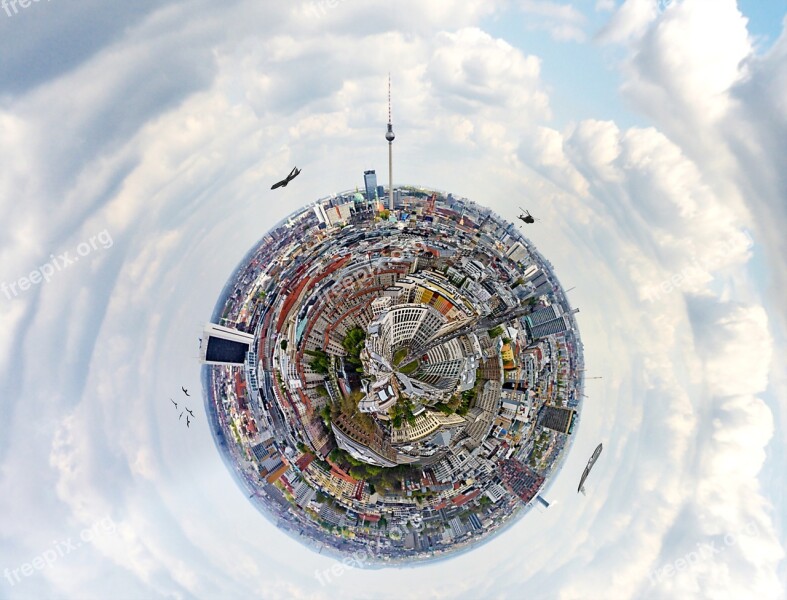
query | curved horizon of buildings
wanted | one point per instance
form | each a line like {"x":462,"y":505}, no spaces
{"x":468,"y":389}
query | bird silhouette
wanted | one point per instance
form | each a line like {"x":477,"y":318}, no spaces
{"x":173,"y":402}
{"x":188,"y":410}
{"x":181,"y":416}
{"x":187,"y":422}
{"x":185,"y":391}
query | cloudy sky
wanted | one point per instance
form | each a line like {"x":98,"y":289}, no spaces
{"x":138,"y":143}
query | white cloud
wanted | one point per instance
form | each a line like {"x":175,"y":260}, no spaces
{"x":562,"y":21}
{"x":470,"y":69}
{"x":682,"y":67}
{"x":629,"y":21}
{"x":605,"y":5}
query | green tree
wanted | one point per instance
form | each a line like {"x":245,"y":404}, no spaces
{"x":399,"y":356}
{"x":445,"y":409}
{"x":353,"y":343}
{"x":320,"y":363}
{"x":325,"y":413}
{"x":493,"y":333}
{"x":409,"y":367}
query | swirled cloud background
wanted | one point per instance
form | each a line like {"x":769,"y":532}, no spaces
{"x":138,"y":143}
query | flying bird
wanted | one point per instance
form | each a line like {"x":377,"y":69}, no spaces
{"x":187,"y":422}
{"x":283,"y":183}
{"x":181,"y":416}
{"x":188,"y":410}
{"x":185,"y":391}
{"x":173,"y":402}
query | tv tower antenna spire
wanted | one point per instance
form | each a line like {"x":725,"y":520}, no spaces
{"x":389,"y":135}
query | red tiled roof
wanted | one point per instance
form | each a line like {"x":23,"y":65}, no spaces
{"x":373,"y":518}
{"x":465,"y":498}
{"x":304,"y":461}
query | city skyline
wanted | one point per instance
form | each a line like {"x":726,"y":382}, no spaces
{"x":646,"y":136}
{"x":343,"y":432}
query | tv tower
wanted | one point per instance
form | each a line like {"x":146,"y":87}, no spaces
{"x":389,"y":135}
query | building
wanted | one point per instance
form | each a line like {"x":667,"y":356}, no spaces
{"x":411,"y":325}
{"x":456,"y":526}
{"x":426,"y":424}
{"x":550,"y":328}
{"x":367,"y":446}
{"x":544,"y":315}
{"x":517,"y":252}
{"x":381,"y":304}
{"x":319,"y":211}
{"x":473,"y":268}
{"x":224,"y":346}
{"x":495,"y":492}
{"x":441,"y":366}
{"x":370,"y":183}
{"x":547,"y":321}
{"x":271,"y":464}
{"x":340,"y":213}
{"x":556,"y":418}
{"x":519,"y":479}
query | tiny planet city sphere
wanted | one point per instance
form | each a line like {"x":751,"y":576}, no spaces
{"x":393,"y":381}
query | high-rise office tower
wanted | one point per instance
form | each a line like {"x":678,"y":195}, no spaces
{"x":224,"y":346}
{"x":370,"y":183}
{"x":557,"y":418}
